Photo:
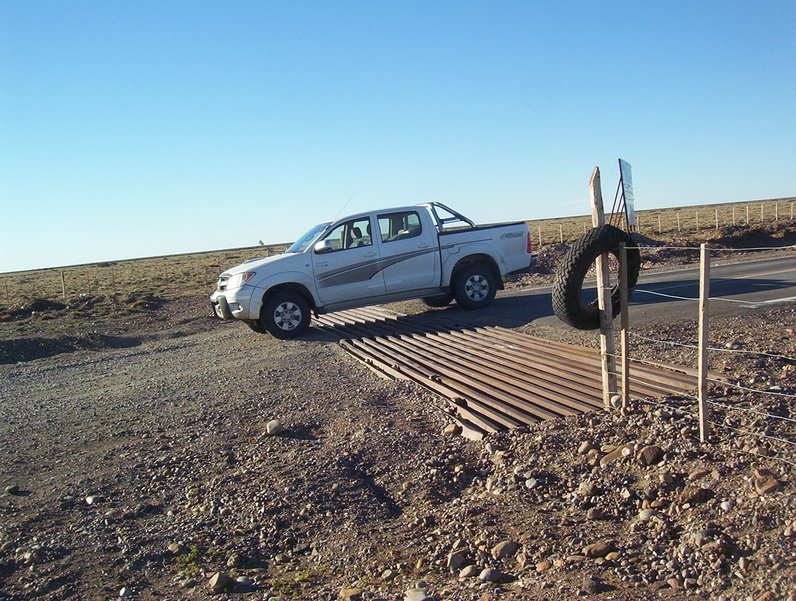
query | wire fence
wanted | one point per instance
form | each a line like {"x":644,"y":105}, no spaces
{"x":670,"y":221}
{"x":723,"y":403}
{"x":166,"y":277}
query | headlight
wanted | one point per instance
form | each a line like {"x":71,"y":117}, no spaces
{"x":237,"y":280}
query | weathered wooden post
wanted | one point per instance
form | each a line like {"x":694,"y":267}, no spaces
{"x":747,"y":214}
{"x":717,"y":218}
{"x":678,"y":221}
{"x":607,"y":350}
{"x":733,"y":215}
{"x":560,"y":233}
{"x":659,"y":224}
{"x":696,"y":218}
{"x":63,"y":285}
{"x":540,"y":235}
{"x":702,"y":367}
{"x":625,"y":324}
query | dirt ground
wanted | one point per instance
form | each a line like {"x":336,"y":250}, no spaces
{"x":136,"y":461}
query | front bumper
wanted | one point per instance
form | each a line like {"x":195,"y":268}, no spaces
{"x":232,"y":304}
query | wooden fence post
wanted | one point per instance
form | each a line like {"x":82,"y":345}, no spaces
{"x":659,"y":223}
{"x":761,"y":212}
{"x":624,"y":322}
{"x":776,"y":211}
{"x":678,"y":221}
{"x":702,"y":366}
{"x":717,"y":218}
{"x":560,"y":233}
{"x":747,"y":214}
{"x":696,"y":218}
{"x":540,"y":234}
{"x":607,"y":351}
{"x":733,"y":215}
{"x":63,"y":285}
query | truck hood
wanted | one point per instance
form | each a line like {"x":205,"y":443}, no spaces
{"x":285,"y":261}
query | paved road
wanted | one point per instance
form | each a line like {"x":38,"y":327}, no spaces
{"x":752,"y":285}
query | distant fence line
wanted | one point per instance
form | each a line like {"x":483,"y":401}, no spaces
{"x":660,"y":221}
{"x":189,"y":274}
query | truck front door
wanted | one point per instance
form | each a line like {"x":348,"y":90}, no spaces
{"x":409,"y":252}
{"x":348,"y":268}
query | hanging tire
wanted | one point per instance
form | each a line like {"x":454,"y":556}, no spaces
{"x":285,"y":315}
{"x":440,"y":300}
{"x":568,"y":302}
{"x":474,"y":286}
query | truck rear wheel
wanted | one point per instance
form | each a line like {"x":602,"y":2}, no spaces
{"x":285,"y":315}
{"x":474,"y":286}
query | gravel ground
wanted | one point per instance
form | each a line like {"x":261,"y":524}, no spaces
{"x":137,"y":461}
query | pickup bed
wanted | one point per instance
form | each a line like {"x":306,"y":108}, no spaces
{"x":426,"y":251}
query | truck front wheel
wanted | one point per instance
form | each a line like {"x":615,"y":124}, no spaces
{"x":285,"y":315}
{"x":474,"y":286}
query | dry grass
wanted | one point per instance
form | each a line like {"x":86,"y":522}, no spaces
{"x":129,"y":283}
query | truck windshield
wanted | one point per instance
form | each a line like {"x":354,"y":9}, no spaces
{"x":302,"y":243}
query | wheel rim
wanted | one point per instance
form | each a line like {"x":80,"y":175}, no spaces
{"x":476,"y":287}
{"x":287,"y":316}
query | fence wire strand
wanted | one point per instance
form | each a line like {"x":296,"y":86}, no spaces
{"x":714,"y":348}
{"x":739,"y":387}
{"x":750,"y":433}
{"x":749,"y":410}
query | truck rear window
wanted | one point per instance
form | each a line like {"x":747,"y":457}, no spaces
{"x":399,"y":226}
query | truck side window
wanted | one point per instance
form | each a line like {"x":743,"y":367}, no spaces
{"x":351,"y":234}
{"x":399,"y":226}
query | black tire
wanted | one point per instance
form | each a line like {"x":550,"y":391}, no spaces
{"x":285,"y":315}
{"x":474,"y":286}
{"x":440,"y":300}
{"x":568,"y":302}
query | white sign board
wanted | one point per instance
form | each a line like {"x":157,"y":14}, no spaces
{"x":627,"y":192}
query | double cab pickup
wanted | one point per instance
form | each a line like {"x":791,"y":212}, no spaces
{"x":427,"y":251}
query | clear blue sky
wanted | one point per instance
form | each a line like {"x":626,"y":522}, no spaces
{"x":151,"y":127}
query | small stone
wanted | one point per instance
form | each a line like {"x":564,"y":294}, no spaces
{"x":650,"y":455}
{"x":491,"y":575}
{"x":695,"y":496}
{"x":645,"y":515}
{"x":388,"y":575}
{"x":766,"y":481}
{"x":274,"y":427}
{"x":544,"y":565}
{"x":504,"y":549}
{"x":726,"y":505}
{"x":599,"y":549}
{"x":176,"y":548}
{"x":698,"y":474}
{"x":351,"y":594}
{"x":587,"y":488}
{"x":125,"y":591}
{"x":219,"y":582}
{"x":417,"y":594}
{"x":531,"y":483}
{"x":244,"y":584}
{"x":585,"y":447}
{"x":617,"y":453}
{"x":456,"y":560}
{"x":592,"y":585}
{"x":595,"y":513}
{"x":93,"y":499}
{"x":452,"y":430}
{"x":468,"y":571}
{"x":12,"y":489}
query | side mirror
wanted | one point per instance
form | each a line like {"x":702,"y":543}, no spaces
{"x":323,"y":247}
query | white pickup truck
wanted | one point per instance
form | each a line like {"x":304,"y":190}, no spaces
{"x":427,"y":251}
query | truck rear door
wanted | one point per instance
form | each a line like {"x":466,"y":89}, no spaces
{"x":350,"y":270}
{"x":409,"y":250}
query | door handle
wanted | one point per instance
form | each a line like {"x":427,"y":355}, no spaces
{"x":321,"y":264}
{"x":424,"y":246}
{"x":369,"y":255}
